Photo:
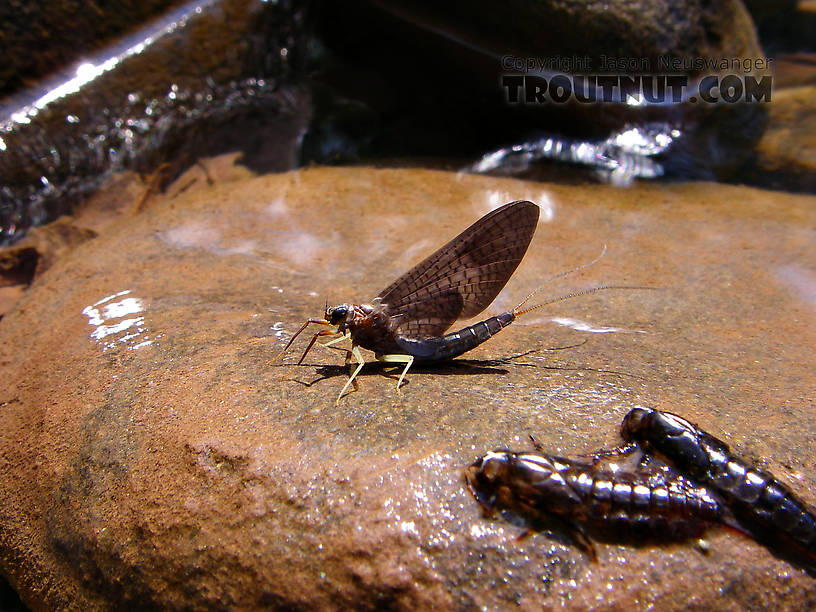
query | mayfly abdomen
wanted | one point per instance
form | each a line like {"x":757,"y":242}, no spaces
{"x":455,"y":343}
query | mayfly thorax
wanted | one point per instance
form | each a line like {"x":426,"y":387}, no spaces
{"x":407,"y":321}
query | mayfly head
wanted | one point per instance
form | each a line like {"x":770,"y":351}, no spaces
{"x":336,"y":315}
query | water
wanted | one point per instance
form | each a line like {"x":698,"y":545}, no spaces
{"x":283,"y":83}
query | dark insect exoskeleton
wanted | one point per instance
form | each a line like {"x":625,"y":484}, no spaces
{"x":757,"y":498}
{"x":643,"y":502}
{"x":407,"y":321}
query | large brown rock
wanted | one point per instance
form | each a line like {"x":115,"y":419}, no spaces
{"x":786,"y":154}
{"x":40,"y":38}
{"x":632,"y":32}
{"x":153,"y":455}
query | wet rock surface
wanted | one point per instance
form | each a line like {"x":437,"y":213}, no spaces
{"x":786,"y":154}
{"x":152,"y":454}
{"x":198,"y":81}
{"x":40,"y":37}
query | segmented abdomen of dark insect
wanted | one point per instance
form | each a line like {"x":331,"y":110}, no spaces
{"x":644,"y":502}
{"x":756,"y":495}
{"x":647,"y":502}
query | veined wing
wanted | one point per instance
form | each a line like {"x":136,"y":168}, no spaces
{"x":463,"y":277}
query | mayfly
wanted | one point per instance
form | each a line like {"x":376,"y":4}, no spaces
{"x":407,"y":321}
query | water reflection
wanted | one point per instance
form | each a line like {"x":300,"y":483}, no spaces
{"x":583,"y":326}
{"x":800,"y":281}
{"x":113,"y":324}
{"x":490,"y":199}
{"x":620,"y":159}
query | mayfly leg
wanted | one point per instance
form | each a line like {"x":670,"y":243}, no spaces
{"x":408,"y":360}
{"x":536,"y":444}
{"x":322,"y":333}
{"x":360,"y":363}
{"x":331,"y":343}
{"x":298,"y":332}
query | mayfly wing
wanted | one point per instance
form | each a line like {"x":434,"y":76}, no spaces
{"x":463,"y":277}
{"x":430,"y":317}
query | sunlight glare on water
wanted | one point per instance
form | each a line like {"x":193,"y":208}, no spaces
{"x":492,"y":199}
{"x":112,"y":324}
{"x":587,"y":327}
{"x":800,"y":281}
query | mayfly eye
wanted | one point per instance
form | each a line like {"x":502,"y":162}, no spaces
{"x":335,"y":315}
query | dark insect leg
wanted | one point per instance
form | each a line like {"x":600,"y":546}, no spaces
{"x":297,"y":333}
{"x":575,"y":531}
{"x":623,"y":450}
{"x":536,"y":444}
{"x":630,"y":455}
{"x":582,"y":540}
{"x":322,"y":332}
